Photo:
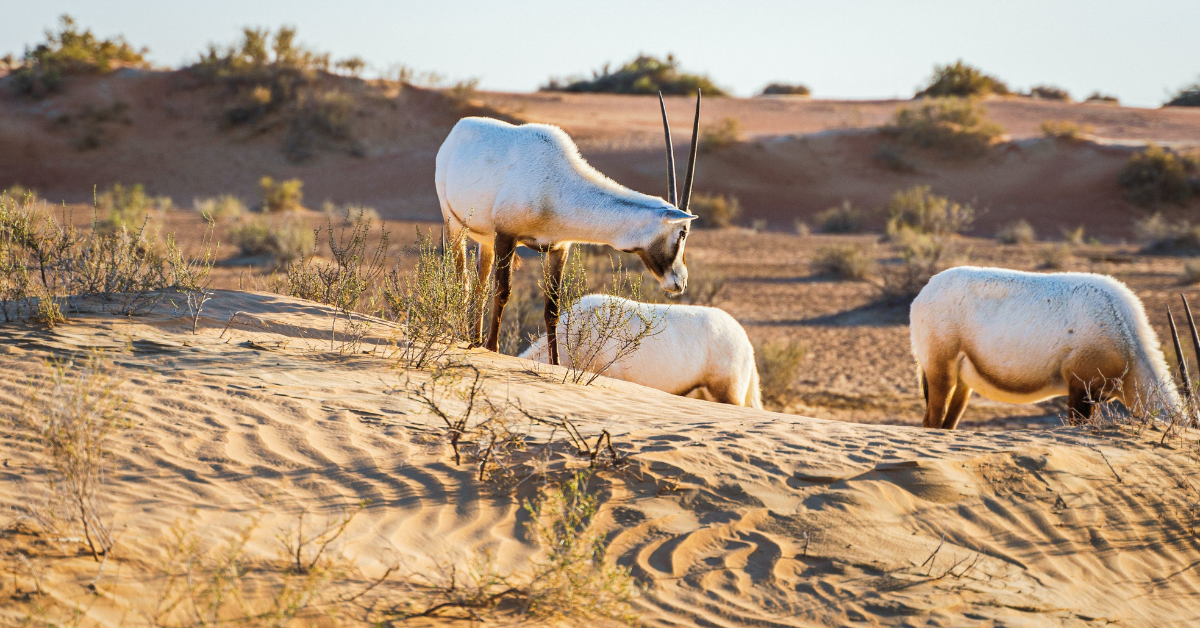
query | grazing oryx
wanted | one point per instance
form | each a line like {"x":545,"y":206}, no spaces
{"x":697,"y":347}
{"x":528,"y":185}
{"x":1024,"y":337}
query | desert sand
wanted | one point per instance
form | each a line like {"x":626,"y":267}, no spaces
{"x":729,"y":516}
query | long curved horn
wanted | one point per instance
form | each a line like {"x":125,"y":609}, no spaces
{"x":1183,"y":368}
{"x":1192,"y":324}
{"x":691,"y":169}
{"x":674,"y":196}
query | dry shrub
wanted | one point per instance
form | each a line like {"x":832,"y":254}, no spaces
{"x":1188,"y":96}
{"x":1160,"y":236}
{"x":955,"y":127}
{"x":778,"y":367}
{"x":844,"y":218}
{"x":785,"y":89}
{"x":704,"y":285}
{"x":1019,"y":232}
{"x":1055,"y":256}
{"x":123,"y":207}
{"x":720,"y":135}
{"x":223,"y":208}
{"x":44,"y":68}
{"x":1157,"y":176}
{"x":919,"y":210}
{"x":716,"y":211}
{"x":1066,"y":130}
{"x":643,"y":75}
{"x":1074,"y":237}
{"x":281,"y":196}
{"x":284,"y":241}
{"x":1191,"y":272}
{"x":922,"y":256}
{"x":853,"y":262}
{"x":961,"y":80}
{"x":321,"y":119}
{"x":1049,"y":92}
{"x":71,"y":419}
{"x":1102,"y":99}
{"x":435,"y":302}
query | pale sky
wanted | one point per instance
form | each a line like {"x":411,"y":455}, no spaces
{"x":1138,"y":51}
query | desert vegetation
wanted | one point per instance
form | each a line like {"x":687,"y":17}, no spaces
{"x":1158,"y":176}
{"x":1102,"y":98}
{"x":844,"y":218}
{"x":1049,"y":92}
{"x":785,"y":89}
{"x":1188,"y":96}
{"x":716,"y":211}
{"x":722,"y":134}
{"x":44,"y":68}
{"x":960,"y":80}
{"x":1019,"y":232}
{"x":643,"y":75}
{"x":952,"y":127}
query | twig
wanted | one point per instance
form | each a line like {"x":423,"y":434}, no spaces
{"x":935,"y":551}
{"x":1110,"y":467}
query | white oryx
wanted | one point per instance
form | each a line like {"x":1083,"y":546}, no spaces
{"x":697,"y":347}
{"x":528,"y":185}
{"x":1023,"y":337}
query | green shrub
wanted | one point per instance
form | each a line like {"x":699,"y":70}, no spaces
{"x":281,"y":196}
{"x":962,"y":80}
{"x":778,"y":368}
{"x":920,"y":211}
{"x":844,"y":218}
{"x":1049,"y":92}
{"x":318,"y":115}
{"x":69,"y":51}
{"x":124,"y":206}
{"x":1157,"y":176}
{"x":922,"y":255}
{"x":1019,"y":232}
{"x":285,"y":241}
{"x":952,"y":126}
{"x":1066,"y":130}
{"x":1104,"y":99}
{"x":221,"y":208}
{"x":1187,"y":97}
{"x":351,"y":65}
{"x":786,"y":89}
{"x":643,"y":75}
{"x":847,"y":261}
{"x":716,"y":211}
{"x":725,"y":133}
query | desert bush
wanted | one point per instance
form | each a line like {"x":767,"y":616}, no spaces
{"x":71,"y":419}
{"x":44,"y":68}
{"x":223,"y":208}
{"x":961,"y":80}
{"x":1074,"y":237}
{"x":285,"y":241}
{"x":1188,"y":96}
{"x":715,"y":211}
{"x":922,"y":255}
{"x":16,"y":194}
{"x":894,"y":158}
{"x":704,"y":285}
{"x":1103,"y":99}
{"x":844,"y":218}
{"x":800,"y":226}
{"x":351,"y":65}
{"x":402,"y":73}
{"x":720,"y":135}
{"x":1191,"y":272}
{"x":347,"y":213}
{"x":848,"y":261}
{"x":318,"y":116}
{"x":1049,"y":92}
{"x":953,"y":126}
{"x":435,"y":302}
{"x":1054,"y":256}
{"x":460,"y":94}
{"x":1066,"y":130}
{"x":920,"y":210}
{"x":778,"y":367}
{"x":1019,"y":232}
{"x":785,"y":89}
{"x":281,"y":196}
{"x":643,"y":75}
{"x":1157,"y":176}
{"x":1161,"y":236}
{"x":125,"y":207}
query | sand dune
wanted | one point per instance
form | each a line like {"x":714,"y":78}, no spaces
{"x":730,"y":516}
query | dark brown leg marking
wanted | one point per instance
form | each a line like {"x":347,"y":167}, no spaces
{"x":1079,"y":400}
{"x":556,"y":261}
{"x":958,"y":405}
{"x":505,"y":246}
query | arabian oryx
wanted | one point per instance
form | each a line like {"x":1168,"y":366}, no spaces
{"x":692,"y":347}
{"x":1023,"y":337}
{"x":528,"y":185}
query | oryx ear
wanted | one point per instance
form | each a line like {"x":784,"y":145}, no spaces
{"x":676,"y":216}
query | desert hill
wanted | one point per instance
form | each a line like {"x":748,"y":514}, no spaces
{"x":797,"y":157}
{"x":728,"y":516}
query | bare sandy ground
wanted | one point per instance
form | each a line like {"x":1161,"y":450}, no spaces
{"x":729,"y":516}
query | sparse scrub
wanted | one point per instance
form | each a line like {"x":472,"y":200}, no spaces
{"x":320,"y":117}
{"x":919,"y":210}
{"x":1157,"y":176}
{"x":853,"y":262}
{"x":785,"y":89}
{"x":44,"y":68}
{"x":704,"y":285}
{"x":1188,"y":96}
{"x":285,"y":241}
{"x":223,"y":208}
{"x":955,"y":127}
{"x":351,"y":65}
{"x":1074,"y":237}
{"x":643,"y":75}
{"x":347,"y":213}
{"x":716,"y":211}
{"x":1191,"y":272}
{"x":1159,"y":235}
{"x":1049,"y":92}
{"x":71,"y":419}
{"x":1055,"y":256}
{"x":1103,"y":99}
{"x":962,"y":80}
{"x":281,"y":196}
{"x":844,"y":218}
{"x":893,"y":158}
{"x":1019,"y":232}
{"x":720,"y":135}
{"x":462,"y":93}
{"x":922,"y":256}
{"x":1066,"y":130}
{"x":778,"y":367}
{"x":124,"y":207}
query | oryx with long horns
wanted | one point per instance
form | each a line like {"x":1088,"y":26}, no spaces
{"x":527,"y":185}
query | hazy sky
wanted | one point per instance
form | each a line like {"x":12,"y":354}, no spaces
{"x":1139,"y":51}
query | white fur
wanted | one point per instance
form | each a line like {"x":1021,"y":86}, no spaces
{"x":1029,"y":324}
{"x":697,"y":347}
{"x":530,"y":182}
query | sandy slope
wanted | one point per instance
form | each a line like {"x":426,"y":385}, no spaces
{"x":712,"y":512}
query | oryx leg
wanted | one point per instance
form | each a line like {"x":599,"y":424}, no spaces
{"x":556,"y":261}
{"x":1081,"y":399}
{"x":941,"y":378}
{"x":505,"y":246}
{"x":487,"y":255}
{"x":958,"y":405}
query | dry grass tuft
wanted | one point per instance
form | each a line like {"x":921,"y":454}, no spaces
{"x":279,"y":196}
{"x":1019,"y":232}
{"x":1157,"y":176}
{"x":1066,"y":130}
{"x":720,"y":135}
{"x":853,"y":262}
{"x":778,"y":367}
{"x":954,"y":127}
{"x":844,"y":218}
{"x":716,"y":211}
